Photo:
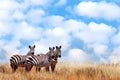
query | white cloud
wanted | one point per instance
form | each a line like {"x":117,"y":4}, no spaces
{"x":116,"y":39}
{"x":8,"y":5}
{"x":78,"y":55}
{"x":9,"y":48}
{"x":99,"y":49}
{"x":61,"y":3}
{"x":42,"y":3}
{"x":5,"y":15}
{"x":27,"y":32}
{"x":115,"y":55}
{"x":53,"y":37}
{"x":104,"y":60}
{"x":41,"y":47}
{"x":18,"y":15}
{"x":108,"y":11}
{"x":34,"y":16}
{"x":58,"y":31}
{"x":93,"y":32}
{"x":96,"y":33}
{"x":5,"y":29}
{"x":53,"y":21}
{"x":73,"y":26}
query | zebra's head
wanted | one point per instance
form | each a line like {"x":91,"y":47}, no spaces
{"x":32,"y":49}
{"x":51,"y":52}
{"x":58,"y":51}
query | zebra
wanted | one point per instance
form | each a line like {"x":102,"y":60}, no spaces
{"x":19,"y":60}
{"x":53,"y":62}
{"x":57,"y":53}
{"x":41,"y":60}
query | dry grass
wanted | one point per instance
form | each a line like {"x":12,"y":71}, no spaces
{"x":64,"y":71}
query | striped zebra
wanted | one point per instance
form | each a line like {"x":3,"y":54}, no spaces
{"x":57,"y":53}
{"x":41,"y":60}
{"x":53,"y":62}
{"x":19,"y":60}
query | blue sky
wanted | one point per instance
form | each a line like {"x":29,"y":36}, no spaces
{"x":87,"y":30}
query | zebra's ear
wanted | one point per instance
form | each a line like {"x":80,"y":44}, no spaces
{"x":34,"y":46}
{"x":60,"y":46}
{"x":29,"y":46}
{"x":53,"y":48}
{"x":56,"y":47}
{"x":49,"y":48}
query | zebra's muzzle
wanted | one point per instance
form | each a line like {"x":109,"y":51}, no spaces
{"x":53,"y":60}
{"x":59,"y":56}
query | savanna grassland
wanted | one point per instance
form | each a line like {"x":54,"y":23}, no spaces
{"x":64,"y":71}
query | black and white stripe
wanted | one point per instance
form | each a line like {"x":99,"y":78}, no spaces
{"x":19,"y":60}
{"x":41,"y":60}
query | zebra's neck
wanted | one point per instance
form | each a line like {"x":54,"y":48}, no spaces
{"x":29,"y":53}
{"x":48,"y":53}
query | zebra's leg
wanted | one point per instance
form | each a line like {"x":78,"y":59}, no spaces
{"x":39,"y":69}
{"x":47,"y":68}
{"x":36,"y":69}
{"x":53,"y":67}
{"x":14,"y":67}
{"x":28,"y":68}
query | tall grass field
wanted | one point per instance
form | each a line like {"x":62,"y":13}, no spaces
{"x":64,"y":71}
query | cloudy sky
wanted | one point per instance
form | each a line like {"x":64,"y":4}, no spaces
{"x":87,"y":30}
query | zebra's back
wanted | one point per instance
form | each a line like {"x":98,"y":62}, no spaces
{"x":37,"y":60}
{"x":18,"y":60}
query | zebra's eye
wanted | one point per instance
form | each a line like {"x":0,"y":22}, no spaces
{"x":52,"y":57}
